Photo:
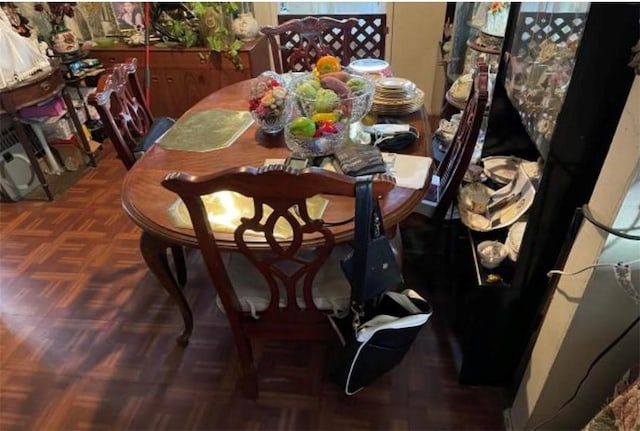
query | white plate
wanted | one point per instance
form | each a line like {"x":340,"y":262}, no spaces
{"x":394,"y":83}
{"x":501,"y":169}
{"x":505,"y":216}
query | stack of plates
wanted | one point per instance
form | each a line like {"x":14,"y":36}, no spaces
{"x":396,"y":96}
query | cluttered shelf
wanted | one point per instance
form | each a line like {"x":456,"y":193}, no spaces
{"x":41,"y":104}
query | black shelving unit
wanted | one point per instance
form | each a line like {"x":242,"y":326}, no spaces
{"x":499,"y":324}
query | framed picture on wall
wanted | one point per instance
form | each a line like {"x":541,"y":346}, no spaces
{"x":128,"y":15}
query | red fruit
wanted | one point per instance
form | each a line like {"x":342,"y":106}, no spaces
{"x":328,"y":128}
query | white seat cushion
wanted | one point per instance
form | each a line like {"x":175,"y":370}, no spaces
{"x":331,"y":290}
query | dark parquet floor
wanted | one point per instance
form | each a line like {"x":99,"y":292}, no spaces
{"x":88,"y":341}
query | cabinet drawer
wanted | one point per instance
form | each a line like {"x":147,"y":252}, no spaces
{"x":32,"y":94}
{"x":192,"y":59}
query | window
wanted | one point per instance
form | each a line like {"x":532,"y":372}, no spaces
{"x":331,"y":8}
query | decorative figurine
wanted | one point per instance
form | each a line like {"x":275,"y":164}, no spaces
{"x":245,"y":27}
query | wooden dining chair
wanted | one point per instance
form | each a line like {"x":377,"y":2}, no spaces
{"x":129,"y":125}
{"x":298,"y":43}
{"x":125,"y":116}
{"x":450,"y":172}
{"x":273,"y":288}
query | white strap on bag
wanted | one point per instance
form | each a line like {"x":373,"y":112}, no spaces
{"x":367,"y":330}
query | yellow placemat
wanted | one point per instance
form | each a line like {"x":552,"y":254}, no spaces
{"x":206,"y":130}
{"x":225,"y":209}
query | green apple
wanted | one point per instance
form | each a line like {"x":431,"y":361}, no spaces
{"x":302,"y":127}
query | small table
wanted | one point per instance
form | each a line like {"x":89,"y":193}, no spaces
{"x":32,"y":91}
{"x":147,"y":202}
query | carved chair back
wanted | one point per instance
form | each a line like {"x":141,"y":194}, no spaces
{"x":125,"y":116}
{"x":456,"y":161}
{"x":297,"y":43}
{"x":286,"y":269}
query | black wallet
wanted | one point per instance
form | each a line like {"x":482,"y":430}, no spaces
{"x":356,"y":160}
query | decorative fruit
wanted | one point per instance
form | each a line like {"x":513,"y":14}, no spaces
{"x":326,"y":100}
{"x":341,"y":75}
{"x":308,"y":89}
{"x":326,"y":116}
{"x":339,"y":87}
{"x":357,"y":85}
{"x":302,"y":127}
{"x":327,"y":64}
{"x":328,"y":127}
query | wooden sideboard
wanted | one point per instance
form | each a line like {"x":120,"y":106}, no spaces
{"x":180,"y":77}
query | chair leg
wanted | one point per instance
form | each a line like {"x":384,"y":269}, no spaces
{"x":249,"y":374}
{"x":180,"y":264}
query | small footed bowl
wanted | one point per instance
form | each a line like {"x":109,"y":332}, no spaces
{"x":491,"y":253}
{"x":274,"y":123}
{"x":313,"y":147}
{"x":105,"y":42}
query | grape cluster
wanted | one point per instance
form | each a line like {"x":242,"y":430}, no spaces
{"x":267,"y":99}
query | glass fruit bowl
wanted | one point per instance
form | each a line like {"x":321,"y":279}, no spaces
{"x":351,"y":98}
{"x":315,"y":146}
{"x":346,"y":95}
{"x":270,"y":103}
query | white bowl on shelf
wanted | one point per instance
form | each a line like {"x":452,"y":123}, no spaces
{"x":491,"y":253}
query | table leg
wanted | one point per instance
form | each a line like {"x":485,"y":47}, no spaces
{"x":154,"y":252}
{"x":28,"y":148}
{"x":79,"y":129}
{"x":179,"y":264}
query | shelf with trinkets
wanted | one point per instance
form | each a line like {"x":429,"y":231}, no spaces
{"x":478,"y":32}
{"x":554,"y":102}
{"x":77,"y":67}
{"x":40,"y":97}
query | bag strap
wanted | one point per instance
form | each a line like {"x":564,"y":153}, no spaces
{"x":368,"y":226}
{"x":365,"y":209}
{"x":377,"y":225}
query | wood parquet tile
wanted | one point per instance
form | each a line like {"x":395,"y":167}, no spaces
{"x":88,"y":341}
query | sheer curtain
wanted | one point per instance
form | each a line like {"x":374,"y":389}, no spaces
{"x":331,"y":8}
{"x":555,"y":7}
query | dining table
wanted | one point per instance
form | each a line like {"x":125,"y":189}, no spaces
{"x":147,"y":202}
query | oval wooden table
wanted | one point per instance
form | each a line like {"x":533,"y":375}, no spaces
{"x":147,"y":202}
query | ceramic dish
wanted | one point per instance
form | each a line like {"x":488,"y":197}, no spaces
{"x":395,"y":83}
{"x":474,"y":216}
{"x":501,"y":169}
{"x":491,"y":253}
{"x":514,"y":239}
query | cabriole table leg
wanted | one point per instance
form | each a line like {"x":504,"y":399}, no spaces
{"x":154,"y":252}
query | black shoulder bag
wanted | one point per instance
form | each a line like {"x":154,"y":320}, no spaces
{"x":383,"y":322}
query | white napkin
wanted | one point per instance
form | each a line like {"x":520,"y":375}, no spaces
{"x":410,"y":171}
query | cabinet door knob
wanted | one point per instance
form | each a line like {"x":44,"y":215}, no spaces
{"x":204,"y":57}
{"x":155,"y":79}
{"x":170,"y":80}
{"x":111,"y":60}
{"x":45,"y":85}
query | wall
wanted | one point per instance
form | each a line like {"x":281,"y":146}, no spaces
{"x":589,"y":310}
{"x":415,"y":30}
{"x":412,"y":44}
